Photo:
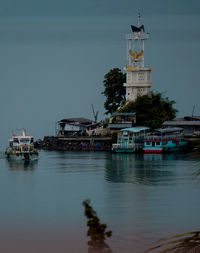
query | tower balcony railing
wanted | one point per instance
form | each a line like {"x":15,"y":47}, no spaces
{"x":137,"y":36}
{"x":120,"y":125}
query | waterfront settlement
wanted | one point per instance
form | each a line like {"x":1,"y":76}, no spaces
{"x":130,"y":103}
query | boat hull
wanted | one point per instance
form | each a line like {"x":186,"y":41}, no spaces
{"x":152,"y":151}
{"x":165,"y":140}
{"x":127,"y":150}
{"x":163,"y":149}
{"x":22,"y":156}
{"x":124,"y":150}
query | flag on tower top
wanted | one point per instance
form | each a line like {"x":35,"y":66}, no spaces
{"x":136,"y":29}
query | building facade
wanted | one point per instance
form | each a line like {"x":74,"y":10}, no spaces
{"x":119,"y":120}
{"x":190,"y":124}
{"x":72,"y":126}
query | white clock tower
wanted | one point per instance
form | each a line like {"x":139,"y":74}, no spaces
{"x":138,"y":77}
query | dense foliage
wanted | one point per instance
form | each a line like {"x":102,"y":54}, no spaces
{"x":151,"y":110}
{"x":114,"y":89}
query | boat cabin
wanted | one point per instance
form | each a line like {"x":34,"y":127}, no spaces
{"x":21,"y":147}
{"x":164,"y":139}
{"x":21,"y":142}
{"x":130,"y":139}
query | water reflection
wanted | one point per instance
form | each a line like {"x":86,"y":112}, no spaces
{"x":153,"y":157}
{"x":21,"y":165}
{"x":147,"y":169}
{"x":165,"y":156}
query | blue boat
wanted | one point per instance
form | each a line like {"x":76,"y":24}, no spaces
{"x":164,"y":140}
{"x":130,"y":140}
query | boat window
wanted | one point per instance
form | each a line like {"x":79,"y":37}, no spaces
{"x":153,"y":143}
{"x":31,"y":140}
{"x":15,"y":140}
{"x":125,"y":138}
{"x":158,"y":143}
{"x":148,"y":143}
{"x":25,"y":140}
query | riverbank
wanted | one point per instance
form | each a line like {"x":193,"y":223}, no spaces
{"x":79,"y":143}
{"x":95,"y":143}
{"x":193,"y":142}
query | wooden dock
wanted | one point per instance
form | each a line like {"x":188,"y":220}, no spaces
{"x":78,"y":143}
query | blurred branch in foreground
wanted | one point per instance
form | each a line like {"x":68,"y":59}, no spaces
{"x":197,"y":175}
{"x":96,"y":231}
{"x":180,"y":243}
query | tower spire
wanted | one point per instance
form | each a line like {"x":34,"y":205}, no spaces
{"x":135,"y":41}
{"x":137,"y":75}
{"x":138,"y":19}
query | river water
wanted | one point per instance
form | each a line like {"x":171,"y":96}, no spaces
{"x":141,"y":198}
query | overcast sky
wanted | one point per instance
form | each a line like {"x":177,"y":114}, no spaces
{"x":53,"y":67}
{"x":97,"y":7}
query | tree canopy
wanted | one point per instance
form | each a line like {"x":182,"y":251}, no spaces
{"x":151,"y":110}
{"x":114,"y":90}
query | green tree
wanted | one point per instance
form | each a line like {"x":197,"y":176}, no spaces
{"x":114,"y":90}
{"x":151,"y":110}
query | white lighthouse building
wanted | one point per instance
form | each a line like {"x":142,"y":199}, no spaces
{"x":138,"y":77}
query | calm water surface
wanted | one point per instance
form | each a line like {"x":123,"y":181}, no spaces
{"x":141,"y":198}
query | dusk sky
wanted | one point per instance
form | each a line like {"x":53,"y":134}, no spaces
{"x":97,"y":7}
{"x":55,"y":53}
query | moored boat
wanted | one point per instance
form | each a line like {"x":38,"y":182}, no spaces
{"x":130,"y":140}
{"x":21,"y":147}
{"x":164,"y":140}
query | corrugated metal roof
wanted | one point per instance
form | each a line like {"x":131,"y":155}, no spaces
{"x":181,"y":123}
{"x":80,"y":120}
{"x":168,"y":129}
{"x":192,"y":118}
{"x":119,"y":125}
{"x":185,"y":119}
{"x":135,"y":129}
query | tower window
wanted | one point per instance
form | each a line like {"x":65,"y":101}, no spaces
{"x":141,"y":76}
{"x":128,"y":77}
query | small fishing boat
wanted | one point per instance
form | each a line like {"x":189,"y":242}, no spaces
{"x":21,"y":147}
{"x":164,"y":140}
{"x":130,"y":140}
